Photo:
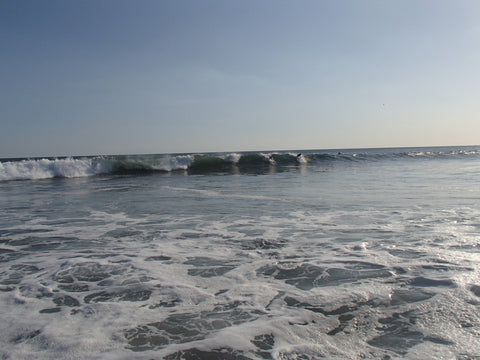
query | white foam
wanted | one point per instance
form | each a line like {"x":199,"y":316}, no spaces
{"x":171,"y":163}
{"x":46,"y":168}
{"x":233,"y":158}
{"x":151,"y":244}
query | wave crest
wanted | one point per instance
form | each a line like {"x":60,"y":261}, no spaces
{"x":48,"y":168}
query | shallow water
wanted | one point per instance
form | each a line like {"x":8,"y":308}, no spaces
{"x":355,"y":258}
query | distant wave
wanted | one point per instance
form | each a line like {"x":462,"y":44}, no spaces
{"x":70,"y":167}
{"x":27,"y":169}
{"x":48,"y":168}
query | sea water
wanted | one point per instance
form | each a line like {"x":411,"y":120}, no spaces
{"x":350,"y":254}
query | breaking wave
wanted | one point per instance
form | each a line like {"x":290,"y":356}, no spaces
{"x":27,"y":169}
{"x":70,"y":167}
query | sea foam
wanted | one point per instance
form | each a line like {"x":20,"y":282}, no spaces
{"x":48,"y":168}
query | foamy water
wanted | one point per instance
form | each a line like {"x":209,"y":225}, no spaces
{"x":326,"y":257}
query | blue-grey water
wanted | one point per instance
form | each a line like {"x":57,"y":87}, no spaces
{"x":350,"y":254}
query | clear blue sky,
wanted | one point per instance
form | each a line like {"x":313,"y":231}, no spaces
{"x":89,"y":77}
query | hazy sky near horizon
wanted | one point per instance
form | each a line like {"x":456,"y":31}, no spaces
{"x":123,"y":77}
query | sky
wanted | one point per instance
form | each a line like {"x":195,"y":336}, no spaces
{"x":87,"y":77}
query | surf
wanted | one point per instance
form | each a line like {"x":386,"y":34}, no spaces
{"x":205,"y":163}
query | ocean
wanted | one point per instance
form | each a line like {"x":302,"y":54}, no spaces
{"x":318,"y":254}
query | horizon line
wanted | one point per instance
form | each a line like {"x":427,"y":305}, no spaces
{"x":17,"y":158}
